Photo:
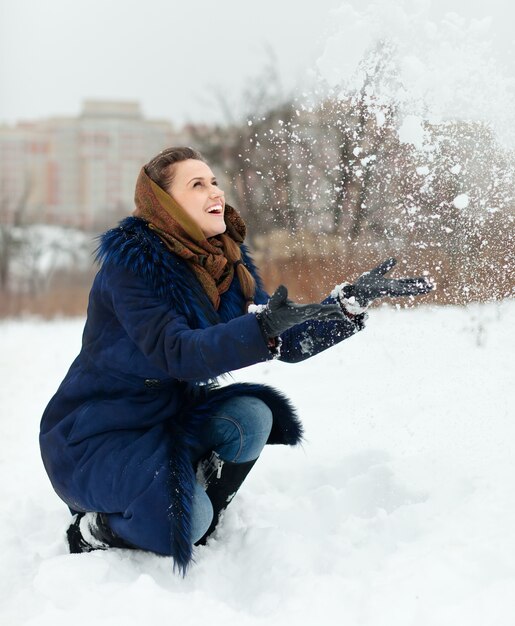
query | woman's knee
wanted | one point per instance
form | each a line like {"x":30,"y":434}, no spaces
{"x":258,"y":415}
{"x":252,"y":421}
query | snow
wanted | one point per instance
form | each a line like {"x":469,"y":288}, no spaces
{"x":399,"y":508}
{"x":461,"y":201}
{"x":42,"y":249}
{"x":412,"y":131}
{"x":437,"y":65}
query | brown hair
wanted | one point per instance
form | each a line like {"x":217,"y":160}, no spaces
{"x":160,"y":169}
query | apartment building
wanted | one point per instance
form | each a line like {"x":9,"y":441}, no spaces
{"x":78,"y":171}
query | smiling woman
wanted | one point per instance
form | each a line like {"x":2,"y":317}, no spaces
{"x":195,"y":213}
{"x":193,"y":185}
{"x":140,"y":440}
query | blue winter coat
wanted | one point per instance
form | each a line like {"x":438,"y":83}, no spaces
{"x":121,"y":426}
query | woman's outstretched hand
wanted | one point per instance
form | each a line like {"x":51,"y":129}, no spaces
{"x":373,"y":284}
{"x":279,"y":314}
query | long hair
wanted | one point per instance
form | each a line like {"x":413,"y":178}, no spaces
{"x":161,"y":170}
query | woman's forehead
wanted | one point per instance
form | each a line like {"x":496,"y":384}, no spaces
{"x":191,"y":168}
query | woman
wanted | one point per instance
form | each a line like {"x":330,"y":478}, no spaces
{"x":140,"y":441}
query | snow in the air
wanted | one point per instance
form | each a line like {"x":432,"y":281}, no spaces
{"x":441,"y":66}
{"x":461,"y":201}
{"x":412,"y":131}
{"x":399,"y":509}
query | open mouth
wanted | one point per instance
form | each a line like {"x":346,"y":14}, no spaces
{"x":215,"y":210}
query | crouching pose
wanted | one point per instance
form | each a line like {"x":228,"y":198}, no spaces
{"x":140,"y":441}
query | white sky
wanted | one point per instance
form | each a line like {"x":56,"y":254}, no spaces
{"x":171,"y":56}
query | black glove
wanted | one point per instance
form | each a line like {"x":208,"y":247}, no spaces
{"x":373,"y":284}
{"x":280,"y":313}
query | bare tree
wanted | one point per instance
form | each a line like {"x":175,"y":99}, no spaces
{"x":11,"y":221}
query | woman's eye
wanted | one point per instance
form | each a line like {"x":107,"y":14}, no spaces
{"x":200,"y":183}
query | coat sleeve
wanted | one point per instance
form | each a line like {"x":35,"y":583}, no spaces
{"x":312,"y":337}
{"x":165,"y":338}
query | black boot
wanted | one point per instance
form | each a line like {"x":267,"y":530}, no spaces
{"x":91,"y":531}
{"x":221,"y":480}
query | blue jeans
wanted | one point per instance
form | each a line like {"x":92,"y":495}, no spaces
{"x":238,"y":432}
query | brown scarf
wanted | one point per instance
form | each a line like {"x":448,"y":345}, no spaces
{"x":207,"y":257}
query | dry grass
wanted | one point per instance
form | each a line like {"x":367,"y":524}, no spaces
{"x":310,"y":276}
{"x":58,"y":302}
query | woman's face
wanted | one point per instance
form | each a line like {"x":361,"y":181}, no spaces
{"x":194,"y":187}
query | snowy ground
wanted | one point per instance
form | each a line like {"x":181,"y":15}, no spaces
{"x":399,"y":509}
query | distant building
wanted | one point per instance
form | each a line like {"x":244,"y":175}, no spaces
{"x":78,"y":171}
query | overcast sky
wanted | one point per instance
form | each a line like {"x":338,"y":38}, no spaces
{"x":172,"y":56}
